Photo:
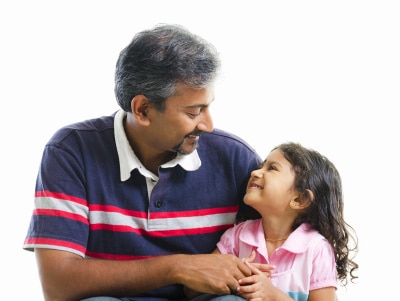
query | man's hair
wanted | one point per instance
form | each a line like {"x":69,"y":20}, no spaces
{"x":159,"y":59}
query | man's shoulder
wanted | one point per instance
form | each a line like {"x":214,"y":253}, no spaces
{"x":96,"y":124}
{"x":221,"y":137}
{"x":222,"y":145}
{"x":94,"y":127}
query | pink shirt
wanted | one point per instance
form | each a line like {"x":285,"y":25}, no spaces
{"x":304,"y":262}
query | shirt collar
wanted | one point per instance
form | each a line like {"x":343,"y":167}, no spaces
{"x":128,"y":161}
{"x":300,"y":239}
{"x":297,"y":242}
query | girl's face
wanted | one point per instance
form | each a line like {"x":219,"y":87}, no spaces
{"x":271,"y":188}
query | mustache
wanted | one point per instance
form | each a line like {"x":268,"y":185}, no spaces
{"x":195,"y":133}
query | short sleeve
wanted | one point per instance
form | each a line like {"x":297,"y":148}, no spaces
{"x":229,"y":241}
{"x":324,"y":267}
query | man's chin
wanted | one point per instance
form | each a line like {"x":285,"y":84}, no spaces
{"x":188,"y":149}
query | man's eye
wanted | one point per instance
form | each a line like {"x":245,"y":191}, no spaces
{"x":192,"y":115}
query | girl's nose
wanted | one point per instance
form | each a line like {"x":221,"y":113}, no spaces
{"x":256,"y":173}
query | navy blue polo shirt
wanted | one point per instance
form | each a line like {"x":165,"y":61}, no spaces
{"x":83,"y":206}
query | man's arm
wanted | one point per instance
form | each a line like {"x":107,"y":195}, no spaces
{"x":67,"y":276}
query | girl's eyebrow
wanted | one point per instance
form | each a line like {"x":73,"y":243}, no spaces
{"x":271,"y":163}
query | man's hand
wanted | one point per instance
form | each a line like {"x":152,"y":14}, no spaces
{"x":211,"y":273}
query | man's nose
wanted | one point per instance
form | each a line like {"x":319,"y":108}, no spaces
{"x":206,"y":122}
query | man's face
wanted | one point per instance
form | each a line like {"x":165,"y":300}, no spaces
{"x":185,"y":118}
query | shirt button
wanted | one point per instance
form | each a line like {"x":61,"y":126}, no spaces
{"x":158,"y":203}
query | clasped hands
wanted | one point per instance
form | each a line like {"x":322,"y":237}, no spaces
{"x":225,"y":274}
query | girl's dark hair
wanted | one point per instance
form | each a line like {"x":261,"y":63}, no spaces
{"x":159,"y":59}
{"x":325,"y":212}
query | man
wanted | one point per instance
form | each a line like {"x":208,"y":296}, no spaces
{"x":124,"y":202}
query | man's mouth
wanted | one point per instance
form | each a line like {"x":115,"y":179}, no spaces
{"x":192,"y":138}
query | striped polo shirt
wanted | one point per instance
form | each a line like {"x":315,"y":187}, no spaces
{"x":94,"y":198}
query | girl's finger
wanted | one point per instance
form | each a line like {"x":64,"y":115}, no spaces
{"x":253,"y":269}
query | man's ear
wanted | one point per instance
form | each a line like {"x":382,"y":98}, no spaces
{"x":302,"y":203}
{"x":140,"y":106}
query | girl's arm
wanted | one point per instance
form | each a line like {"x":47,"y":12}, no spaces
{"x":259,"y":287}
{"x":326,"y":293}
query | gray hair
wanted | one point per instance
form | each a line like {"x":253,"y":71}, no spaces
{"x":158,"y":60}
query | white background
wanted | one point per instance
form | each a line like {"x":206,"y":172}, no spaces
{"x":322,"y":73}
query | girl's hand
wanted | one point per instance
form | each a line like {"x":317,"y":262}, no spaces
{"x":258,"y":287}
{"x":266,"y":268}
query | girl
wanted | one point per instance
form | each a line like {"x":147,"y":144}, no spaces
{"x":302,"y":231}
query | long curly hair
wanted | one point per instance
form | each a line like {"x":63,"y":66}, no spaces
{"x":325,"y":213}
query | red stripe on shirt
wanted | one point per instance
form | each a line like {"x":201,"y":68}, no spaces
{"x":171,"y":214}
{"x":52,"y":212}
{"x":166,"y":233}
{"x":60,"y":196}
{"x":54,"y":242}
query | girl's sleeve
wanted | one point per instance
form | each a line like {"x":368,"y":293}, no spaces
{"x":324,"y":268}
{"x":228,"y":243}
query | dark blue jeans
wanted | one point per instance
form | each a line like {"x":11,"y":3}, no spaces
{"x":208,"y":297}
{"x":204,"y":297}
{"x":105,"y":299}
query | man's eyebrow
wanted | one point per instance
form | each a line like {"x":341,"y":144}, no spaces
{"x":200,"y":105}
{"x":197,"y":106}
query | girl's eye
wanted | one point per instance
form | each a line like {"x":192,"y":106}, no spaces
{"x":271,"y":167}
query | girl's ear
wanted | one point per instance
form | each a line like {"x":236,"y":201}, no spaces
{"x":302,"y":203}
{"x":310,"y":196}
